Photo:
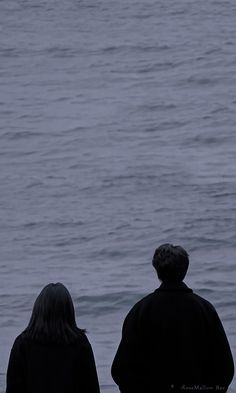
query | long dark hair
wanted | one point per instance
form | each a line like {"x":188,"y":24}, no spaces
{"x":53,"y":317}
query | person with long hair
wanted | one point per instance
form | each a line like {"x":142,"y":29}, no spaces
{"x":52,"y":355}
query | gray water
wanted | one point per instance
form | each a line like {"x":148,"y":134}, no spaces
{"x":117,"y":134}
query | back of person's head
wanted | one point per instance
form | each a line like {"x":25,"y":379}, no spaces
{"x":53,"y":316}
{"x":171,"y":263}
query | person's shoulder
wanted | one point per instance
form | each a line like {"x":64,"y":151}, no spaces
{"x":20,"y":339}
{"x":144,"y":300}
{"x":141,"y":304}
{"x":19,"y":345}
{"x":203,"y":302}
{"x":137,"y":311}
{"x":82,"y":340}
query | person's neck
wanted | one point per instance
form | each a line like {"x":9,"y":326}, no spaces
{"x":173,"y":286}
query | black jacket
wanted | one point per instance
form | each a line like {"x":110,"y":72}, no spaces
{"x":173,"y":341}
{"x":51,"y":368}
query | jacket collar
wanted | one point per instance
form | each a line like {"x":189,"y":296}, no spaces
{"x":179,"y":287}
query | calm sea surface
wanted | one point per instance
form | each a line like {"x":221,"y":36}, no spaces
{"x":117,"y":133}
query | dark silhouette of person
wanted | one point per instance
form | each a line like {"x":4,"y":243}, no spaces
{"x":52,"y":355}
{"x":172,"y":339}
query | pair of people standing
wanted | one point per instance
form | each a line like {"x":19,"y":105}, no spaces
{"x":172,"y":341}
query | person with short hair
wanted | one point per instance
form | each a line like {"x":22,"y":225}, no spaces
{"x":172,"y":339}
{"x":52,"y":355}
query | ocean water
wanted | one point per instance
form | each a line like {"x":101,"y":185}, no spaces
{"x":117,"y":134}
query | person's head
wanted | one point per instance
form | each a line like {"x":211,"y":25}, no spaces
{"x":171,"y":263}
{"x":53,"y":316}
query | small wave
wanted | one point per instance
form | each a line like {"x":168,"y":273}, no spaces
{"x":203,"y":291}
{"x":225,"y":194}
{"x":201,"y":81}
{"x":107,"y":303}
{"x":169,"y":125}
{"x":141,"y":48}
{"x":156,"y":67}
{"x":179,"y":12}
{"x":220,"y":109}
{"x":213,"y":51}
{"x":76,"y":130}
{"x":46,"y":224}
{"x":22,"y":302}
{"x":33,"y":184}
{"x":10,"y":53}
{"x":209,"y":140}
{"x":156,"y":107}
{"x":61,"y":52}
{"x":143,"y":16}
{"x":112,"y":49}
{"x":7,"y":112}
{"x":226,"y":304}
{"x":16,"y":135}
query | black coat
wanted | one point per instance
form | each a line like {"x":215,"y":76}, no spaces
{"x":173,"y":341}
{"x":51,"y":368}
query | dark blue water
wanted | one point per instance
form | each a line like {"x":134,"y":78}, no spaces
{"x":117,"y":133}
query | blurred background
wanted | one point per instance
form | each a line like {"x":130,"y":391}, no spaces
{"x":117,"y":134}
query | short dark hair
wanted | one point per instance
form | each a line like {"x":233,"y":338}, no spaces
{"x":53,"y":317}
{"x":171,"y":263}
